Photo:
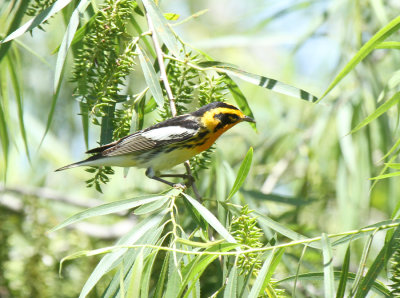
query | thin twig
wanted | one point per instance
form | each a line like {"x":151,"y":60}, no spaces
{"x":163,"y":72}
{"x":164,"y":78}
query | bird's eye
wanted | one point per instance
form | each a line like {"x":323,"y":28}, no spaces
{"x":233,"y":118}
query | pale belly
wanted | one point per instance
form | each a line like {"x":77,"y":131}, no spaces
{"x":168,"y":160}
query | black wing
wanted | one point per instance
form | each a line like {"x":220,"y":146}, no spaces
{"x":173,"y":130}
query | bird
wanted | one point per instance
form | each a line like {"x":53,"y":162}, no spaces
{"x":168,"y":143}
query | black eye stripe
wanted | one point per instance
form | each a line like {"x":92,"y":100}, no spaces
{"x":226,"y":117}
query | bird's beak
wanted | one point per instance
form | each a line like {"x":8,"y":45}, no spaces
{"x":248,"y":119}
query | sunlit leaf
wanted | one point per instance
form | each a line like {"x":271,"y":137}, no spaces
{"x":268,"y":83}
{"x":19,"y":14}
{"x":384,"y":176}
{"x":111,"y":259}
{"x":15,"y":80}
{"x":344,"y":275}
{"x":240,"y":99}
{"x":109,"y":208}
{"x":242,"y":173}
{"x":231,"y":286}
{"x":377,"y":286}
{"x":161,"y":27}
{"x":211,"y":219}
{"x":388,"y":45}
{"x":393,"y":165}
{"x":171,"y":16}
{"x":380,"y":36}
{"x":196,"y":267}
{"x":329,"y":284}
{"x":37,"y":20}
{"x":378,"y":112}
{"x":258,"y":283}
{"x":152,"y":80}
{"x":136,"y":277}
{"x":378,"y":264}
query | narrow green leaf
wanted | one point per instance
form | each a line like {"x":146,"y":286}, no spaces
{"x":171,"y":16}
{"x":39,"y":19}
{"x":240,"y":99}
{"x":393,"y":165}
{"x":152,"y":80}
{"x":80,"y":33}
{"x":388,"y":45}
{"x":18,"y":96}
{"x":145,"y":287}
{"x":329,"y":284}
{"x":19,"y":14}
{"x":283,"y":230}
{"x":211,"y":219}
{"x":114,"y":258}
{"x":268,"y":83}
{"x":107,"y":124}
{"x":384,"y":176}
{"x":5,"y":141}
{"x":108,"y":208}
{"x":231,"y":286}
{"x":197,"y":266}
{"x":242,"y":173}
{"x":158,"y":293}
{"x":391,"y":150}
{"x":162,"y":27}
{"x":51,"y":112}
{"x":362,"y":264}
{"x":136,"y":277}
{"x":369,"y":279}
{"x":151,"y":207}
{"x":344,"y":274}
{"x":380,"y":36}
{"x":174,"y":279}
{"x":152,"y":238}
{"x":66,"y":42}
{"x":377,"y":286}
{"x":294,"y":201}
{"x":378,"y":112}
{"x":259,"y":282}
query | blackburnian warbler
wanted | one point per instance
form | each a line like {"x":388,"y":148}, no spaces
{"x":168,"y":143}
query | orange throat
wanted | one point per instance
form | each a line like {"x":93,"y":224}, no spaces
{"x":212,"y":138}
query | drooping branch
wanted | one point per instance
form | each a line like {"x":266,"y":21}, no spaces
{"x":164,"y":78}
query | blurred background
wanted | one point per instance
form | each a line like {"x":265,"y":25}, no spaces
{"x":303,"y":152}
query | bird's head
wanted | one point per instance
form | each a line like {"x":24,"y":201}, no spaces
{"x":219,"y":116}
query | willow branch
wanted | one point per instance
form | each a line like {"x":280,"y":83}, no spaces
{"x":163,"y":72}
{"x":164,"y":78}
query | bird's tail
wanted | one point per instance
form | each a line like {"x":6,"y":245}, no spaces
{"x":73,"y":165}
{"x":86,"y":162}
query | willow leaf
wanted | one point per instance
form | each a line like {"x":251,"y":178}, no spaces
{"x":268,"y":83}
{"x":39,"y":19}
{"x":370,"y":45}
{"x":378,"y":112}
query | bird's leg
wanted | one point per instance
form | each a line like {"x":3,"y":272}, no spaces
{"x":152,"y":175}
{"x":189,"y":178}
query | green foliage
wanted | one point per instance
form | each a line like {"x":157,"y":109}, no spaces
{"x":307,"y":179}
{"x":395,"y":270}
{"x":37,"y":6}
{"x":100,"y":177}
{"x":244,"y":229}
{"x":105,"y":58}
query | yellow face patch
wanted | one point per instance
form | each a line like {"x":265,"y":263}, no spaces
{"x":209,"y":121}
